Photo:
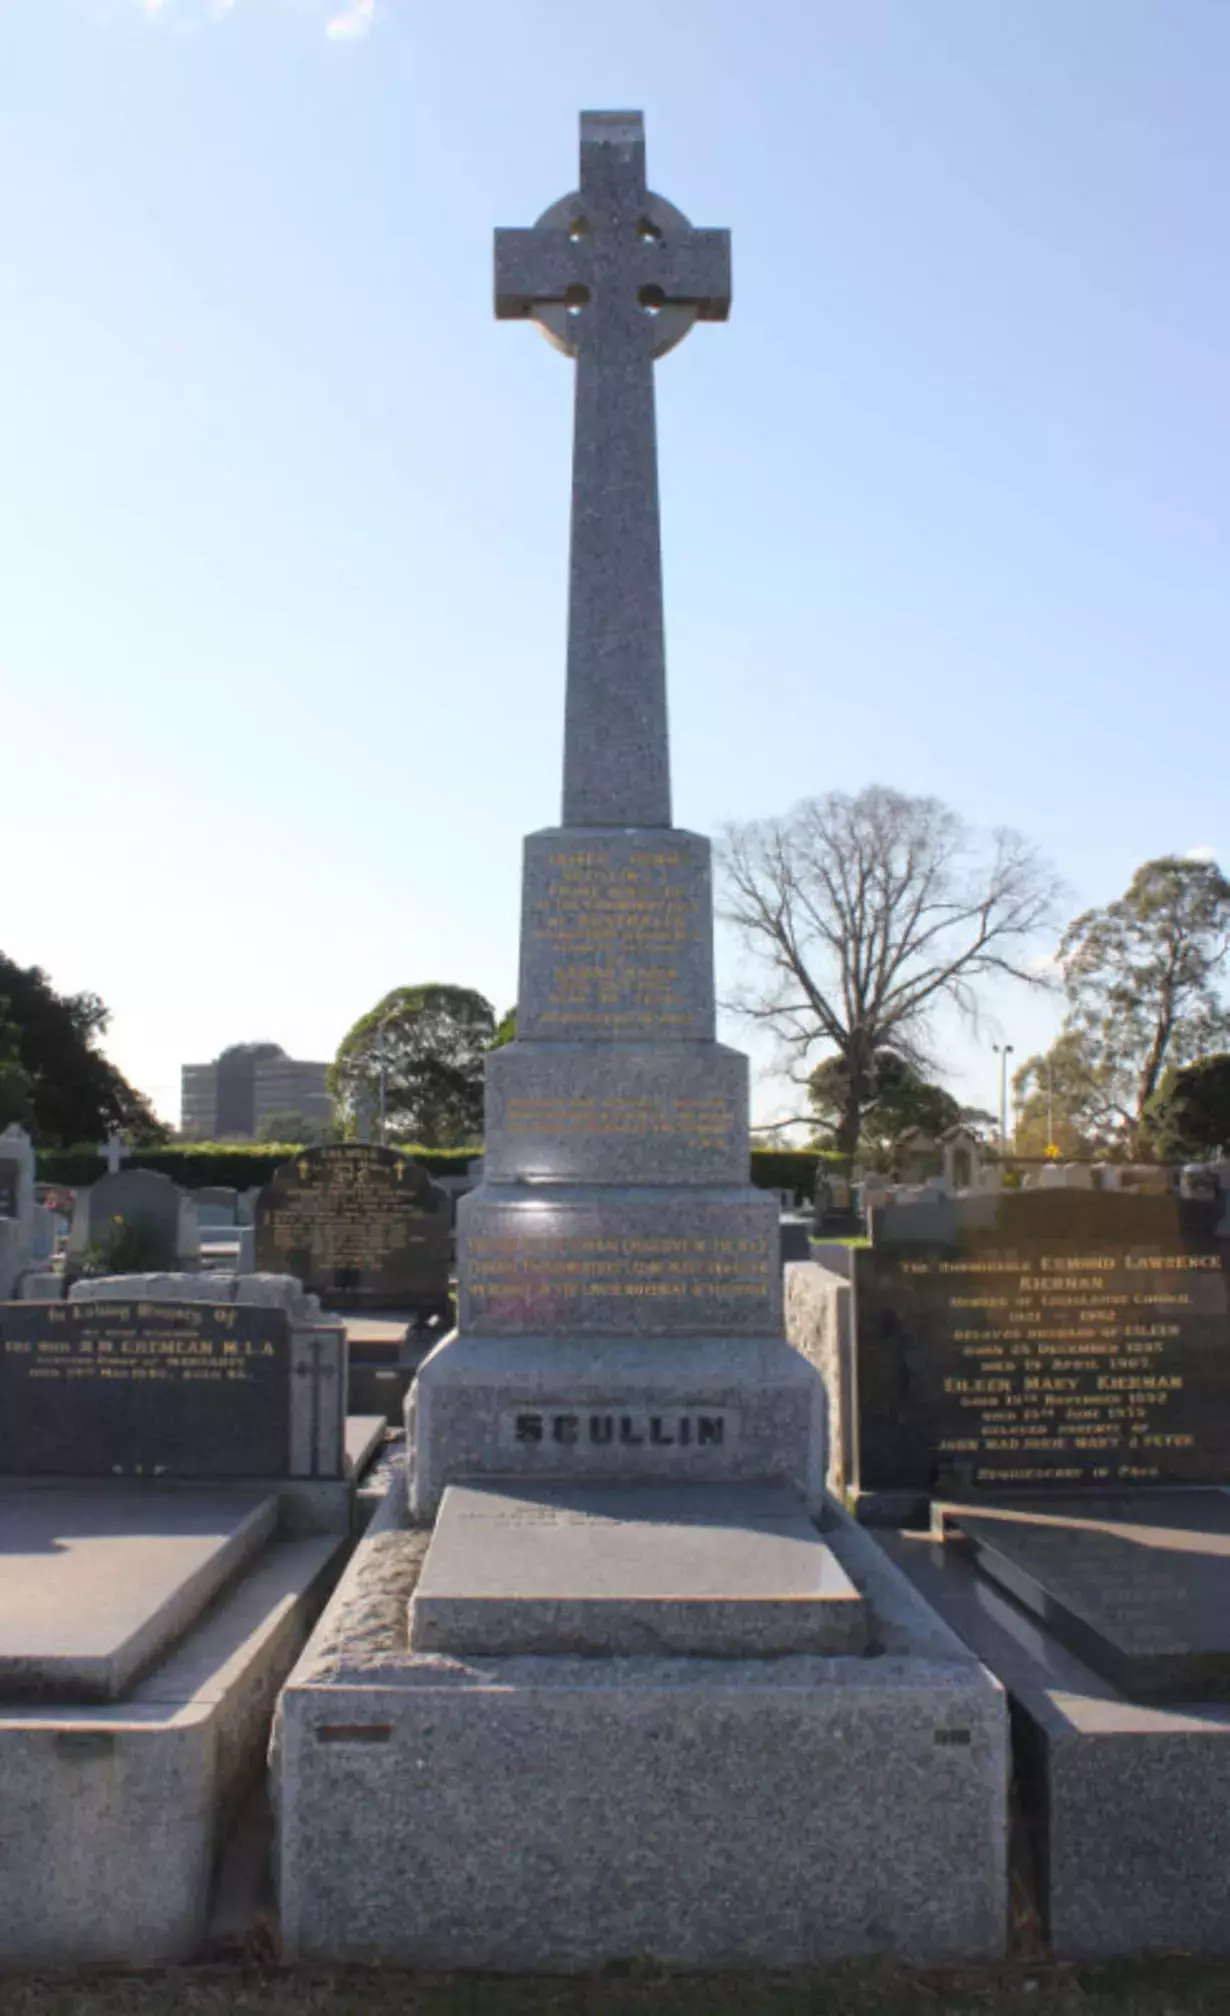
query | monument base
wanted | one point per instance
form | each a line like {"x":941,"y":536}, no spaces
{"x":561,"y":1813}
{"x":691,"y":1410}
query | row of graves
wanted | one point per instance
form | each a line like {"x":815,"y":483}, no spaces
{"x":1030,"y":1407}
{"x":183,"y":1471}
{"x":361,"y":1227}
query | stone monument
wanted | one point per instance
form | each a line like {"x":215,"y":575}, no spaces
{"x":624,"y":1703}
{"x":620,"y":1309}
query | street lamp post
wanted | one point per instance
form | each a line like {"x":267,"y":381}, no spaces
{"x":1003,"y":1051}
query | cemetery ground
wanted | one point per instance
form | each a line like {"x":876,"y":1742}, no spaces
{"x":1164,"y":1986}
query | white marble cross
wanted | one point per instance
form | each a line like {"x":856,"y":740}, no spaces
{"x":615,"y":276}
{"x":114,"y":1151}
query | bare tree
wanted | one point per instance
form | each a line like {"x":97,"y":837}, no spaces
{"x":871,"y":912}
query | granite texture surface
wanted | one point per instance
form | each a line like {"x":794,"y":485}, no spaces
{"x":606,"y":1113}
{"x":819,"y":1323}
{"x":1128,"y":1805}
{"x":616,"y":936}
{"x":554,"y":1260}
{"x":729,"y":1571}
{"x":555,"y":1813}
{"x":614,"y":276}
{"x":701,"y":1410}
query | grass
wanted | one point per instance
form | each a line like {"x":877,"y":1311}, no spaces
{"x":1175,"y":1986}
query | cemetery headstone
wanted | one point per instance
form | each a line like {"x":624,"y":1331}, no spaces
{"x":361,"y":1226}
{"x":108,"y":1389}
{"x":133,"y":1204}
{"x":1044,"y":1338}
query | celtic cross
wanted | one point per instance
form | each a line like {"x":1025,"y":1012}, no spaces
{"x":615,"y":276}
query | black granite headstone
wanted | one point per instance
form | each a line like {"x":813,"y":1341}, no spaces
{"x":362,"y":1227}
{"x":10,"y":1182}
{"x":140,"y":1389}
{"x":1137,"y":1585}
{"x":1049,"y":1338}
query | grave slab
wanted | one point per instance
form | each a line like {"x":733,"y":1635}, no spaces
{"x":1136,"y":1584}
{"x":96,"y":1583}
{"x":736,"y":1570}
{"x":1127,"y":1803}
{"x":114,"y":1813}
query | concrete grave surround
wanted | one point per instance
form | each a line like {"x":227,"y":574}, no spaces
{"x":616,"y":1270}
{"x":631,"y":1568}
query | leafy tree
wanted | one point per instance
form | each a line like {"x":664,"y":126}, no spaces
{"x":506,"y":1030}
{"x":866,"y":915}
{"x":1188,"y":1117}
{"x":898,"y":1099}
{"x":1143,"y":979}
{"x":49,"y":1058}
{"x":16,"y":1084}
{"x":434,"y":1039}
{"x":1060,"y":1102}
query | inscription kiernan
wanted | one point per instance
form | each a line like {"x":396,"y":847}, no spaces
{"x":1005,"y":1367}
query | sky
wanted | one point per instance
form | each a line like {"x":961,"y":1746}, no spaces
{"x":283,"y":510}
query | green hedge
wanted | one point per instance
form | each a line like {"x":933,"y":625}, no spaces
{"x":197,"y":1163}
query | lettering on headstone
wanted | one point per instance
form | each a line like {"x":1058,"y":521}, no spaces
{"x":674,"y":1432}
{"x":360,"y":1226}
{"x":149,"y":1389}
{"x":1054,"y":1338}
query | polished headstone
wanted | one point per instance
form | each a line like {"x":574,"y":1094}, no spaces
{"x":361,"y":1226}
{"x":731,"y":1571}
{"x":1047,"y":1338}
{"x":140,"y":1388}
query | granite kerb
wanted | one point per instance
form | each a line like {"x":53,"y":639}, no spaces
{"x":361,"y":1639}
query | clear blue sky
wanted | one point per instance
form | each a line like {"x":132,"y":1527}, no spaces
{"x":283,"y":511}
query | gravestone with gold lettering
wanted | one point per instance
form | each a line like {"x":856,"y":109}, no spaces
{"x":619,"y":1280}
{"x":362,"y":1227}
{"x":1043,"y":1340}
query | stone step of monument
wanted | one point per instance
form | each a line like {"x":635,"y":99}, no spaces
{"x":96,"y":1581}
{"x":725,"y":1571}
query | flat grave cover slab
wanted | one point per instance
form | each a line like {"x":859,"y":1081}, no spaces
{"x":96,"y":1582}
{"x":731,"y":1570}
{"x":1136,"y":1584}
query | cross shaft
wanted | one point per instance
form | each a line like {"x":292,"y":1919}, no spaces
{"x":615,"y":276}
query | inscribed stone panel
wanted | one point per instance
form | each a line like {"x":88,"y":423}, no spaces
{"x":616,"y":936}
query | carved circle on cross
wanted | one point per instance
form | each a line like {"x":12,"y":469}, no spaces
{"x":671,"y":320}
